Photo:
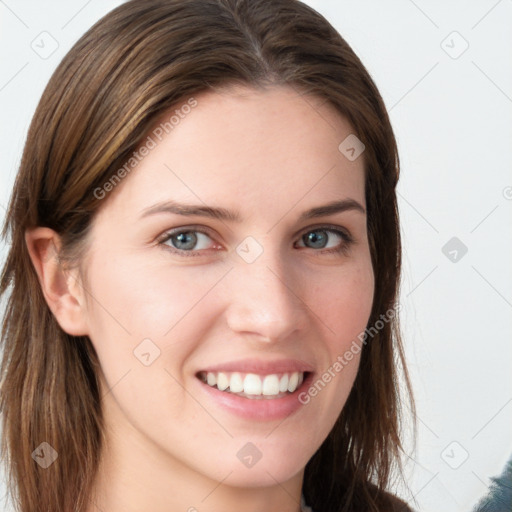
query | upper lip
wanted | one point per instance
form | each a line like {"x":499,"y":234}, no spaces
{"x":259,"y":366}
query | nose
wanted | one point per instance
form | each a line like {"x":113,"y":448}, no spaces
{"x":265,"y":299}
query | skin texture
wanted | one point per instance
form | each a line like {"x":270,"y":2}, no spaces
{"x":269,"y":155}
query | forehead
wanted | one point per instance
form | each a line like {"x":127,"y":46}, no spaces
{"x":239,"y":147}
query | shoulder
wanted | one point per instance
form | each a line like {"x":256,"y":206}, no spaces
{"x":396,"y":504}
{"x":388,"y":501}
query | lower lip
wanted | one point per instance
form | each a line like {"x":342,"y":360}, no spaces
{"x":264,"y":409}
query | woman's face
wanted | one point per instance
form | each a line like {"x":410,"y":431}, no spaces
{"x":258,"y":284}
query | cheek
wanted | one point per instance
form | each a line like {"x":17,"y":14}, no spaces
{"x":137,"y":300}
{"x":152,"y":314}
{"x":345,"y":303}
{"x":144,"y":325}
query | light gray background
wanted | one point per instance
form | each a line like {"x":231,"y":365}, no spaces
{"x":451,"y":112}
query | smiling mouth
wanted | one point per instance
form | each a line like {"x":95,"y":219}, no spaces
{"x":254,"y":386}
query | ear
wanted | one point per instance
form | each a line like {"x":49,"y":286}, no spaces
{"x":61,"y":288}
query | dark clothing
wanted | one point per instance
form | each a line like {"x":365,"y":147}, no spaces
{"x":395,"y":504}
{"x":398,"y":505}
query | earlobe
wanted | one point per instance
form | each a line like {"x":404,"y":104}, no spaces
{"x":61,"y":288}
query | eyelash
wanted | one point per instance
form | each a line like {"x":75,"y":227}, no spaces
{"x":343,"y":248}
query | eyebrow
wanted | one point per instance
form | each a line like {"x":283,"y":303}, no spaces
{"x":174,"y":207}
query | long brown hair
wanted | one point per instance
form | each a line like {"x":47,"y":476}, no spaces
{"x":129,"y":68}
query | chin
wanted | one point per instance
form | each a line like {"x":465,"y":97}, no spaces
{"x":263,"y":474}
{"x":264,"y":463}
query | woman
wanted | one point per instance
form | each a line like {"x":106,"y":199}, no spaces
{"x":204,"y":265}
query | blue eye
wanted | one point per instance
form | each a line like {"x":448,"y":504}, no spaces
{"x":192,"y":241}
{"x":320,"y":238}
{"x":186,"y":241}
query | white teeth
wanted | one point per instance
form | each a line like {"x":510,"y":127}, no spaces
{"x":222,"y":381}
{"x":251,"y":384}
{"x":292,"y":383}
{"x":283,"y":383}
{"x":236,"y":383}
{"x":270,"y":385}
{"x":211,"y":379}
